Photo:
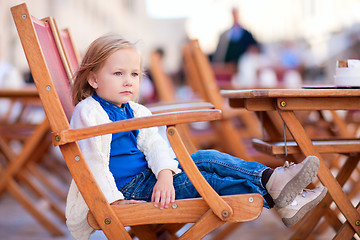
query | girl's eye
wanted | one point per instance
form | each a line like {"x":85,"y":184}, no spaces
{"x":117,"y":73}
{"x":135,"y":74}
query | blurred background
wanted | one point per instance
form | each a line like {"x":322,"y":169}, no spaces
{"x":291,"y":43}
{"x":318,"y":32}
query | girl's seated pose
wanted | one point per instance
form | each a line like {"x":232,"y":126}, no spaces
{"x":136,"y":166}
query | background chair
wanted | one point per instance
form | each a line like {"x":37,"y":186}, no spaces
{"x":22,"y":171}
{"x":194,"y":137}
{"x":32,"y":173}
{"x":237,"y":127}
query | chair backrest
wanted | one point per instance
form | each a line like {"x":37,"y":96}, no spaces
{"x":192,"y":76}
{"x":205,"y":74}
{"x":164,"y":87}
{"x":65,"y":47}
{"x":71,"y":51}
{"x":50,"y":56}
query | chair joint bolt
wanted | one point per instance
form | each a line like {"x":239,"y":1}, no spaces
{"x":283,"y":103}
{"x":57,"y":138}
{"x":225,"y":214}
{"x":357,"y":222}
{"x":107,"y":221}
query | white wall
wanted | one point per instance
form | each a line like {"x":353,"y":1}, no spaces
{"x":268,"y":20}
{"x":88,"y":19}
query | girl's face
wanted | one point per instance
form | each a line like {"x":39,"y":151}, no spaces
{"x":118,"y":81}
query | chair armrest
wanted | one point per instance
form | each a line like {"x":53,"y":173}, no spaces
{"x":156,"y":120}
{"x":219,"y":207}
{"x":182,"y":106}
{"x":247,"y":207}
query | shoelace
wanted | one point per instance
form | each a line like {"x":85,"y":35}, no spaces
{"x":287,"y":164}
{"x":303,"y":193}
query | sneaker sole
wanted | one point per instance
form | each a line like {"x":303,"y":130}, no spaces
{"x":289,"y":222}
{"x":299,"y":182}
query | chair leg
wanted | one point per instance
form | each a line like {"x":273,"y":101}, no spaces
{"x":207,"y":223}
{"x":15,"y":164}
{"x":171,"y":229}
{"x":144,"y":232}
{"x":41,"y":194}
{"x":43,"y":178}
{"x":46,"y":222}
{"x":228,"y":229}
{"x":331,"y":220}
{"x":346,"y":231}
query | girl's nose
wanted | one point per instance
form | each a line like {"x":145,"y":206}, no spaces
{"x":127,"y":81}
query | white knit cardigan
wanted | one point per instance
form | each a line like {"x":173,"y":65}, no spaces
{"x":96,"y":152}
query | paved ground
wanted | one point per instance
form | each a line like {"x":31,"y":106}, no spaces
{"x":17,"y":224}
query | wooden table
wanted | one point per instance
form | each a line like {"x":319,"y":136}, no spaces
{"x":286,"y":102}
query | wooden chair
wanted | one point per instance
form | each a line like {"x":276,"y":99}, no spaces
{"x":67,"y":54}
{"x":194,"y":138}
{"x":235,"y":139}
{"x":21,"y":175}
{"x":207,"y":212}
{"x":17,"y":104}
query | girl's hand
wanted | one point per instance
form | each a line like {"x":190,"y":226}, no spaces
{"x":163,"y":192}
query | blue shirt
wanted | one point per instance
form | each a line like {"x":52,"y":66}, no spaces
{"x":126,"y":160}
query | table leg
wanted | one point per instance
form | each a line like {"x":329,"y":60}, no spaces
{"x":346,"y":232}
{"x":308,"y":224}
{"x":324,"y":174}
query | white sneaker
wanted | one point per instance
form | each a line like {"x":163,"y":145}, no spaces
{"x":303,"y":203}
{"x":286,"y":182}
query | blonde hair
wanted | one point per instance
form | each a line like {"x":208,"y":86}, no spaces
{"x":96,"y":55}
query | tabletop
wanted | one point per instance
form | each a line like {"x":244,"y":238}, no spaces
{"x":265,"y":93}
{"x":16,"y":93}
{"x":294,"y":99}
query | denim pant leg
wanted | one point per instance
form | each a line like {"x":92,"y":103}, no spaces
{"x":140,"y":187}
{"x":227,"y":174}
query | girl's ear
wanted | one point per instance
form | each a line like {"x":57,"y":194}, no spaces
{"x":92,"y":80}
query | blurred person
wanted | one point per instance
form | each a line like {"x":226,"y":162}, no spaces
{"x":290,"y":65}
{"x":233,"y":43}
{"x":10,"y":78}
{"x":9,"y":75}
{"x":254,"y":70}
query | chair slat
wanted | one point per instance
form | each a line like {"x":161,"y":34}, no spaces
{"x":343,"y":146}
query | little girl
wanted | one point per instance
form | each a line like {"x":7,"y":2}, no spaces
{"x":135,"y":166}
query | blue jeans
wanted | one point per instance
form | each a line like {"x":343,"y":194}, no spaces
{"x":228,"y":175}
